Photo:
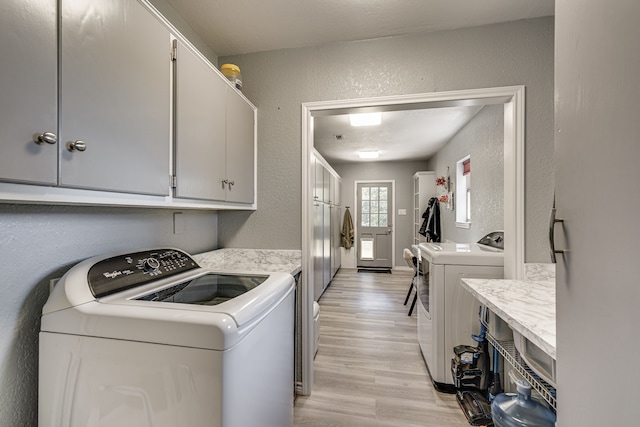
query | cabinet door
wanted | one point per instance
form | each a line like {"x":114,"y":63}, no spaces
{"x":240,"y":149}
{"x":597,"y":175}
{"x":319,"y":189}
{"x":115,"y":96}
{"x":28,"y":87}
{"x":200,"y":128}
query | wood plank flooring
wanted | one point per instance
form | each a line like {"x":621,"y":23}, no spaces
{"x":369,"y":371}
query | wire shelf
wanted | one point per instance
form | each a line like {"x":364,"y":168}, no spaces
{"x":508,"y":350}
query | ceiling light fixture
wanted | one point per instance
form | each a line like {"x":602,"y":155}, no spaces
{"x":368,"y":154}
{"x":365,"y":119}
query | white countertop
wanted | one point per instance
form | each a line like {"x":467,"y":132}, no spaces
{"x":529,"y":307}
{"x":251,"y":260}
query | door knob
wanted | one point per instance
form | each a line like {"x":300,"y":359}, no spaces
{"x":76,"y":146}
{"x":46,"y":137}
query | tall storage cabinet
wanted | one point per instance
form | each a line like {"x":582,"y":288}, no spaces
{"x":326,"y":223}
{"x":424,"y":188}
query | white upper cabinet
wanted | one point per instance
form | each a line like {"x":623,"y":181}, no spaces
{"x":240,"y":149}
{"x":215,"y":134}
{"x":105,"y":102}
{"x":200,"y":127}
{"x":28,"y":106}
{"x":115,"y":95}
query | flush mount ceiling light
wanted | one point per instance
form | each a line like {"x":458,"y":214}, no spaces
{"x":368,"y":154}
{"x":365,"y":119}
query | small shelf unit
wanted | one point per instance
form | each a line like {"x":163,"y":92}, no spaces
{"x":508,"y":351}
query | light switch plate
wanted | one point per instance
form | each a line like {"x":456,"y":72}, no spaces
{"x":402,"y":212}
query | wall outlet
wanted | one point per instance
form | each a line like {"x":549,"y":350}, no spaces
{"x":178,"y":223}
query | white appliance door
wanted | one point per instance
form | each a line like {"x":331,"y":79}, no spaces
{"x":597,"y":176}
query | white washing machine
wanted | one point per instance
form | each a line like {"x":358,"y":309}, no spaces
{"x":448,"y":314}
{"x":152,"y":339}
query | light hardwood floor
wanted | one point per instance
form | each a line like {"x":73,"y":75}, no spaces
{"x":369,"y":371}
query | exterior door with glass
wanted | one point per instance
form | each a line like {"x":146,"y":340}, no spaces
{"x":374,"y":229}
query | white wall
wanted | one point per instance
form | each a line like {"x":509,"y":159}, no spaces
{"x":278,"y":82}
{"x":483,"y":139}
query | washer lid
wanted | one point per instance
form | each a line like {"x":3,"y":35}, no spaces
{"x":462,"y":254}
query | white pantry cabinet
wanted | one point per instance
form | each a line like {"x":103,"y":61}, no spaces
{"x":28,"y":105}
{"x":326,"y":220}
{"x":424,"y":188}
{"x":115,"y":96}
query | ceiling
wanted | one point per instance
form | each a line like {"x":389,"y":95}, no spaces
{"x":248,"y":26}
{"x":402,"y":135}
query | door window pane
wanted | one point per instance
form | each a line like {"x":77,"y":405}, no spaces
{"x":383,"y":193}
{"x":382,"y":220}
{"x":383,"y":207}
{"x":374,"y":193}
{"x":365,"y":207}
{"x":365,"y":220}
{"x":374,"y":207}
{"x":365,"y":193}
{"x":374,"y":220}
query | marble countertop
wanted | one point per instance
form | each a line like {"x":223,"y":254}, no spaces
{"x":251,"y":260}
{"x":528,"y":306}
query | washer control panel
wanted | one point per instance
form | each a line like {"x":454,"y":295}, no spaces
{"x":126,"y":271}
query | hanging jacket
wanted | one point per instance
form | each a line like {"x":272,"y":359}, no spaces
{"x":347,"y":230}
{"x":430,"y":227}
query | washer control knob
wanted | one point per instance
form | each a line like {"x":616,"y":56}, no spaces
{"x":151,"y":264}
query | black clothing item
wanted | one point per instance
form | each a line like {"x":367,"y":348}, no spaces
{"x":431,"y":221}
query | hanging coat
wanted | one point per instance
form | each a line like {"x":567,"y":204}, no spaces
{"x":347,"y":230}
{"x":430,"y":227}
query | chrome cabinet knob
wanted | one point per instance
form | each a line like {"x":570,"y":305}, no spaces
{"x":46,"y":137}
{"x":76,"y":146}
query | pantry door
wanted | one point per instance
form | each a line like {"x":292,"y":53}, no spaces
{"x":374,"y":227}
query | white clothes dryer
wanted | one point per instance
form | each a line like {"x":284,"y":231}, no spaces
{"x":448,"y":314}
{"x":152,"y":339}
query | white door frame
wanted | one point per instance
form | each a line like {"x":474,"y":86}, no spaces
{"x":356,"y":213}
{"x":513,"y":98}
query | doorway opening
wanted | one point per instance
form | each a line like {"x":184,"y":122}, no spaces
{"x":513,"y":100}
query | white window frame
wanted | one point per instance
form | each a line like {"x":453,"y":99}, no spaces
{"x":463,"y":195}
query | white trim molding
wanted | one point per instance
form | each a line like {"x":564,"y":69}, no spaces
{"x":513,"y":99}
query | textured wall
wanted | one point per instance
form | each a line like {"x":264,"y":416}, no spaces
{"x":278,"y":82}
{"x":39,"y":243}
{"x":483,"y":139}
{"x":402,"y":173}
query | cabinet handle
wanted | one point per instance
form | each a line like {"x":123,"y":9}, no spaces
{"x":231,"y":183}
{"x":552,"y":225}
{"x":76,"y":146}
{"x":225,"y":182}
{"x":46,"y":137}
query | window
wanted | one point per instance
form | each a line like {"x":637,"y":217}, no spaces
{"x":463,"y":192}
{"x":374,"y":209}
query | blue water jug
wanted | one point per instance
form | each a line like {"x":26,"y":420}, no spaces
{"x":510,"y":410}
